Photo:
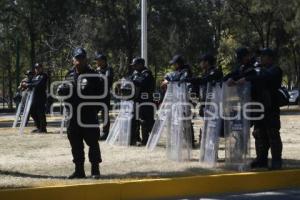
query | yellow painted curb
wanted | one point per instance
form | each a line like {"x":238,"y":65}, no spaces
{"x":163,"y":188}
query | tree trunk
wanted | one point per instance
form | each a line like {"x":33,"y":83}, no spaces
{"x":10,"y":95}
{"x":3,"y":88}
{"x":32,"y":47}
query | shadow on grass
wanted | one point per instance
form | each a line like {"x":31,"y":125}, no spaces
{"x":190,"y":171}
{"x":132,"y":175}
{"x":28,"y":175}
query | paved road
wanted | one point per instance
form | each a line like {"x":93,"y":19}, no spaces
{"x":289,"y":194}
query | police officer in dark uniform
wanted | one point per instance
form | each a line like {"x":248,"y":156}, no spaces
{"x":267,"y":131}
{"x":126,"y":89}
{"x":182,"y":71}
{"x":107,"y":71}
{"x":265,"y":82}
{"x":144,"y":83}
{"x":38,"y":106}
{"x":22,"y":88}
{"x":244,"y":68}
{"x":211,"y":74}
{"x":87,"y":127}
{"x":29,"y":75}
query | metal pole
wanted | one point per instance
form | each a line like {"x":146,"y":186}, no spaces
{"x":144,"y":31}
{"x":3,"y":88}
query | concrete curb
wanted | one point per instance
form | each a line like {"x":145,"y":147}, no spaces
{"x":162,"y":188}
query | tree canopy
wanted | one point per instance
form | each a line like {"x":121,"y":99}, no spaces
{"x":47,"y":31}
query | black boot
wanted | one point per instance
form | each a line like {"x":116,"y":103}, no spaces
{"x":262,"y":148}
{"x":43,"y":130}
{"x":276,"y":165}
{"x":35,"y":130}
{"x":79,"y":172}
{"x":276,"y":150}
{"x":255,"y":164}
{"x":95,"y":172}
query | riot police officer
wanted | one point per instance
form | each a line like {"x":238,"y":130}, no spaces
{"x":83,"y":124}
{"x":22,"y":89}
{"x":182,"y":71}
{"x":144,"y":83}
{"x":107,"y":71}
{"x":38,"y":107}
{"x":244,"y":68}
{"x":267,"y":131}
{"x":29,"y":75}
{"x":265,"y":81}
{"x":211,"y":74}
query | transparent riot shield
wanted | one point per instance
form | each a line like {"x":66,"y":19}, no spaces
{"x":163,"y":116}
{"x":20,"y":109}
{"x":179,"y":137}
{"x":236,"y":126}
{"x":63,"y":120}
{"x":212,"y":125}
{"x":26,"y":111}
{"x":174,"y":121}
{"x":120,"y":133}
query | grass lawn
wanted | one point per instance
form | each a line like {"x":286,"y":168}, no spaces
{"x":45,"y":159}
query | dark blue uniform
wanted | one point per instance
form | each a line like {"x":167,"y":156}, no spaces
{"x":89,"y":115}
{"x":265,"y":83}
{"x":266,"y":131}
{"x":145,"y":85}
{"x":213,"y":76}
{"x":38,"y":107}
{"x":179,"y":75}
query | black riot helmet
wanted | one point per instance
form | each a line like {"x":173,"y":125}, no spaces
{"x":267,"y":52}
{"x":100,"y":56}
{"x":209,"y":58}
{"x":137,"y":61}
{"x":79,"y":52}
{"x":177,"y":59}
